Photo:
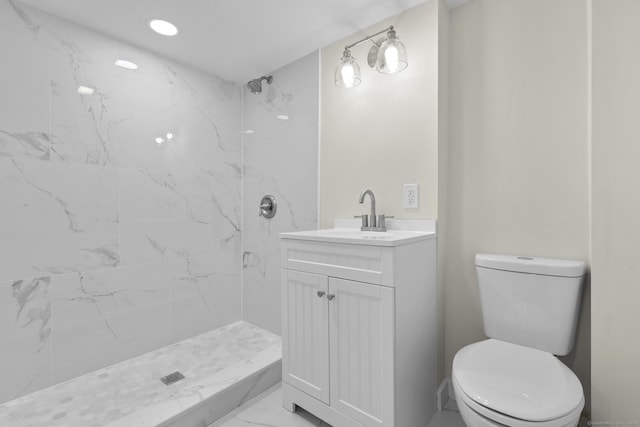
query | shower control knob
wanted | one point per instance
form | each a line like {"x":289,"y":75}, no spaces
{"x":331,"y":297}
{"x":321,"y":293}
{"x":268,"y":206}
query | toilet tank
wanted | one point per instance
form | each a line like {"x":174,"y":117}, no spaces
{"x":529,"y":301}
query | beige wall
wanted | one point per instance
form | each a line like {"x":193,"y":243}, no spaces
{"x":518,"y":175}
{"x":616,"y":211}
{"x":383,"y":133}
{"x":390,"y":131}
{"x":528,"y":168}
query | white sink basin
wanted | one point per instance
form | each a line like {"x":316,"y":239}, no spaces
{"x":355,"y":236}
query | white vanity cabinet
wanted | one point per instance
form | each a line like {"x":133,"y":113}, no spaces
{"x":359,"y":326}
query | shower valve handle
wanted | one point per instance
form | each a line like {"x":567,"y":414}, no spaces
{"x":268,"y":206}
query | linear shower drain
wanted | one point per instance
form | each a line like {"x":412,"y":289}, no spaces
{"x":172,"y":378}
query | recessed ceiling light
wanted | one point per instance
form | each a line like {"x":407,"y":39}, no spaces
{"x":85,"y":90}
{"x":159,"y":140}
{"x":249,"y":131}
{"x":126,"y":64}
{"x":163,"y":27}
{"x":282,"y":117}
{"x":169,"y":136}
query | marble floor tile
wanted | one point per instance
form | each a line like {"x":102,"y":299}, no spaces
{"x":448,"y":417}
{"x":266,"y":410}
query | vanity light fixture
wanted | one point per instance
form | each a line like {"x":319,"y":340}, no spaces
{"x":163,"y":27}
{"x":283,"y":117}
{"x":387,"y":56}
{"x":123,"y":63}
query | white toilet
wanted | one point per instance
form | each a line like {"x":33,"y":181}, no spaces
{"x":530,"y":312}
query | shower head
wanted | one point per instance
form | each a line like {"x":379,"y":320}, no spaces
{"x":255,"y":85}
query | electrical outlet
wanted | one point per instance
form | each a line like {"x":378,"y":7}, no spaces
{"x":410,"y":196}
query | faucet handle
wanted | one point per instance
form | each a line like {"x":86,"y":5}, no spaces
{"x":365,"y":220}
{"x":381,"y":220}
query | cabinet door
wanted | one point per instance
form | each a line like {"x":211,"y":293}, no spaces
{"x":361,"y":330}
{"x":305,"y":333}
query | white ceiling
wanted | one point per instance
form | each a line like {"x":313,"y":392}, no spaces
{"x":234,"y":39}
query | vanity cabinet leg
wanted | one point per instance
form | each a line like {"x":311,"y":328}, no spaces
{"x":287,"y":398}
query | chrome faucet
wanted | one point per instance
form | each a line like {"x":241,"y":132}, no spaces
{"x":372,"y":222}
{"x":372,"y":217}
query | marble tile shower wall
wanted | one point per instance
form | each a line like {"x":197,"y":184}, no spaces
{"x":110,"y":245}
{"x":280,"y":158}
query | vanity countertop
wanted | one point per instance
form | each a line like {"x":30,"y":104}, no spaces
{"x":400,"y":232}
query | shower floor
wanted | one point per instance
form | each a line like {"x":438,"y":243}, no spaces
{"x":223,"y":368}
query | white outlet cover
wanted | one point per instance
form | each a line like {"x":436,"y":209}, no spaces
{"x":410,"y":196}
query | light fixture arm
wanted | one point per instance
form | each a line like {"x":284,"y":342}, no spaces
{"x":370,"y":38}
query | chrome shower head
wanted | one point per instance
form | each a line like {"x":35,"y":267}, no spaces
{"x":255,"y":85}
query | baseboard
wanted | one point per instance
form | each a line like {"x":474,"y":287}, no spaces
{"x":444,"y":393}
{"x":452,"y":392}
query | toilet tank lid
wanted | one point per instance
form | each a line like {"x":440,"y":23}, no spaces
{"x":532,"y":265}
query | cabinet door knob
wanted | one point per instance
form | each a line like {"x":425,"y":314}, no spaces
{"x":321,"y":293}
{"x":331,"y":296}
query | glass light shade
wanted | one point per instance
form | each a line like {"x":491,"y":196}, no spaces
{"x":392,"y":56}
{"x":348,"y":71}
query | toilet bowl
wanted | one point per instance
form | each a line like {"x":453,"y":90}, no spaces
{"x":498,"y":383}
{"x":530,"y":311}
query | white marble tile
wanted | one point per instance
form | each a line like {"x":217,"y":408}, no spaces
{"x":261,"y":250}
{"x":447,"y":418}
{"x":164,"y":196}
{"x":200,"y":143}
{"x":117,"y":125}
{"x":267,"y":410}
{"x":233,"y":396}
{"x":17,"y":23}
{"x":220,"y":387}
{"x":105,"y":316}
{"x":130,"y":393}
{"x":284,"y":148}
{"x":208,"y":112}
{"x":280,"y":158}
{"x":226,"y":201}
{"x":91,"y":200}
{"x":25,"y":328}
{"x":164,"y":241}
{"x":24,"y":104}
{"x":56,"y":220}
{"x":203,"y":295}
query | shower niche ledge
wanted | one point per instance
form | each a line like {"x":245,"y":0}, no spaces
{"x":359,"y":330}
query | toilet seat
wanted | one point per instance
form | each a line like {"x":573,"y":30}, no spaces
{"x":516,"y":385}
